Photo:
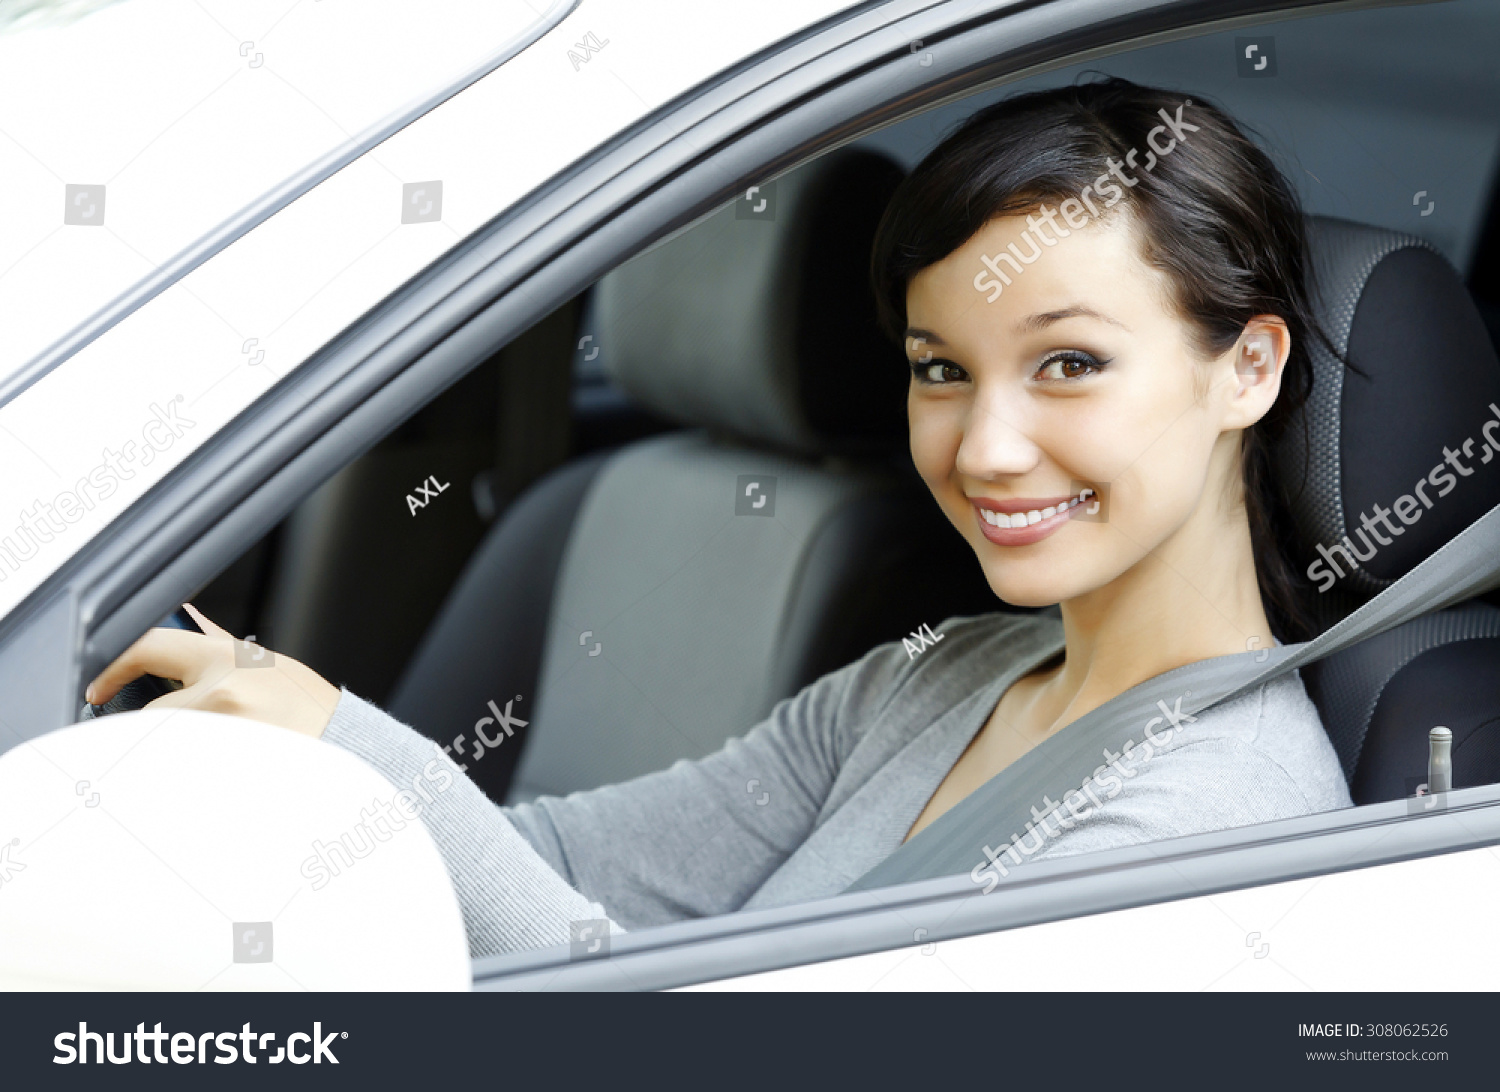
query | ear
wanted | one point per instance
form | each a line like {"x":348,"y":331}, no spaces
{"x":1257,"y":360}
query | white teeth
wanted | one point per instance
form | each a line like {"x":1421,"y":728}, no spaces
{"x":1025,"y":519}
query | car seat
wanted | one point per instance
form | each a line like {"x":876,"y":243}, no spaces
{"x":1423,"y":393}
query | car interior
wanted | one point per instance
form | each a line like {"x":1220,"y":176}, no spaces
{"x":686,"y":493}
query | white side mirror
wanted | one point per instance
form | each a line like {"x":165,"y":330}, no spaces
{"x":179,"y":850}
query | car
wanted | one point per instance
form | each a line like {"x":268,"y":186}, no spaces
{"x":488,"y":387}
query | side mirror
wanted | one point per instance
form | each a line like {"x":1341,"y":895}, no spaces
{"x":174,"y":849}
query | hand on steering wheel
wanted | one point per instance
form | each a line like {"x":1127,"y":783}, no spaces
{"x":221,"y":674}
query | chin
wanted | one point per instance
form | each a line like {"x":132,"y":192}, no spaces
{"x":1027,"y":597}
{"x":1036,"y":585}
{"x":1034,"y":591}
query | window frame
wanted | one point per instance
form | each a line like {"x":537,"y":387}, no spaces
{"x":792,"y":102}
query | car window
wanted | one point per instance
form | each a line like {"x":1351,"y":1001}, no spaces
{"x":664,"y":577}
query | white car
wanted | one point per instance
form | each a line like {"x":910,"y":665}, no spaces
{"x":471,"y":360}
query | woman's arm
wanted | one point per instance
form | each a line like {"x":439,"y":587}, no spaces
{"x":511,"y":899}
{"x":695,"y":839}
{"x":691,"y":840}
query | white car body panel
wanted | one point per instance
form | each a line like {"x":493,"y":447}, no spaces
{"x":209,"y":106}
{"x":119,"y":835}
{"x":1422,"y":924}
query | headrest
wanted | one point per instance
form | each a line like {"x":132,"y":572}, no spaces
{"x":1406,"y":440}
{"x":759,"y":321}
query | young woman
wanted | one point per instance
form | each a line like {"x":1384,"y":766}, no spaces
{"x":1102,"y":293}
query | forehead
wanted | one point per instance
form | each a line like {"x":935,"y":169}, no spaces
{"x":1100,"y":266}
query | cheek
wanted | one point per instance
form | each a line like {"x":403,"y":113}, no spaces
{"x":1160,"y":469}
{"x":936,"y":430}
{"x":1087,"y":439}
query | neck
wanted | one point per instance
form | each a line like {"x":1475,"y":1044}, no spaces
{"x":1193,"y":598}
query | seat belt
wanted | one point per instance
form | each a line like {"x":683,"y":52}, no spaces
{"x":1010,"y":804}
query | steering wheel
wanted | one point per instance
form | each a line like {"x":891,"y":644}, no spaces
{"x":138,"y":692}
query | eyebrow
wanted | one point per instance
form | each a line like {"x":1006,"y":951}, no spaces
{"x":1030,"y":323}
{"x":1047,"y":318}
{"x":916,"y":333}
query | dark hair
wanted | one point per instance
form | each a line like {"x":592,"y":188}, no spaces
{"x":1216,"y":216}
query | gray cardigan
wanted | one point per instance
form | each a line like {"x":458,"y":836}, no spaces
{"x":819,"y":792}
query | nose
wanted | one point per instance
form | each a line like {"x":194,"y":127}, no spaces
{"x":995,"y":444}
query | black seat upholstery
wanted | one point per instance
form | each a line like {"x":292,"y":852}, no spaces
{"x":1420,"y":405}
{"x":760,"y":334}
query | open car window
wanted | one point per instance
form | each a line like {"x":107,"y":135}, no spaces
{"x":679,"y":584}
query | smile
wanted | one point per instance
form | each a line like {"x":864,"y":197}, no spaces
{"x":1022,"y":522}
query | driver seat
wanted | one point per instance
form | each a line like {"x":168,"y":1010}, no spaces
{"x":1409,"y":432}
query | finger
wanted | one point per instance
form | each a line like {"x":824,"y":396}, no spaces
{"x":213,"y":629}
{"x":169,"y":653}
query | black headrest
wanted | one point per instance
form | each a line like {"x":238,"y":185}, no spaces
{"x":759,"y":321}
{"x":1409,"y":436}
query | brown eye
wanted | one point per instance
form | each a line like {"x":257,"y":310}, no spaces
{"x":938,"y":372}
{"x":1071,"y":365}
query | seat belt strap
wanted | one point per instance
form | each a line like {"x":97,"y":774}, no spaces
{"x":1007,"y":807}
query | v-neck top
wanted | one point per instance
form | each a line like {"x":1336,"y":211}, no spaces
{"x":818,"y":793}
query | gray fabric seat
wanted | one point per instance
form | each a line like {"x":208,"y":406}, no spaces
{"x":648,"y":604}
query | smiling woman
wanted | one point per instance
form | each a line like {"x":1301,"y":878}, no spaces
{"x":1095,"y":431}
{"x":1150,"y":355}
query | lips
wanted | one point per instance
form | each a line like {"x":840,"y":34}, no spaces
{"x":1025,"y":520}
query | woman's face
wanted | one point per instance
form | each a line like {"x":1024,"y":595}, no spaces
{"x":1079,"y":376}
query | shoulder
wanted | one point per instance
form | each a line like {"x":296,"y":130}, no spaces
{"x":1265,"y":750}
{"x":1256,"y":758}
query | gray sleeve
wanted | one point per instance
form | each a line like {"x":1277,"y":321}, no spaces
{"x":695,"y":839}
{"x":1200,"y":786}
{"x":511,"y":899}
{"x":700,"y":837}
